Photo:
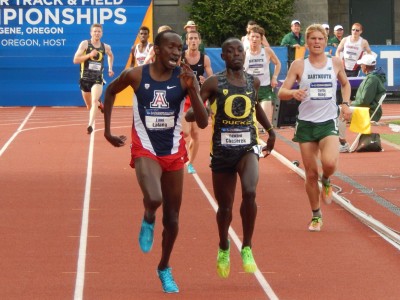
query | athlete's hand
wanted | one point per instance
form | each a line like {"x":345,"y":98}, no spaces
{"x":300,"y":94}
{"x":267,"y":149}
{"x":274,"y":82}
{"x":188,"y":76}
{"x":93,"y":53}
{"x":202,"y":79}
{"x":116,"y":141}
{"x":345,"y":113}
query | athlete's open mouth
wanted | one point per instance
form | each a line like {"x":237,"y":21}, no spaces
{"x":173,"y":61}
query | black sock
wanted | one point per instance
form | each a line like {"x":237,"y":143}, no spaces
{"x":324,"y":180}
{"x":317,"y":213}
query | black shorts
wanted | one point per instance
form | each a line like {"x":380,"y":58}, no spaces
{"x":86,"y":86}
{"x":227,"y":163}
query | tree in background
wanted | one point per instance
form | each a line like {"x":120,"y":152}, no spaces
{"x":218,"y":20}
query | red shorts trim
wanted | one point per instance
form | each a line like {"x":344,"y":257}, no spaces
{"x":187,"y":104}
{"x":171,"y":162}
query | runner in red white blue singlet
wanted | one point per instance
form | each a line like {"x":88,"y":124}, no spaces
{"x":157,"y":111}
{"x":158,"y":148}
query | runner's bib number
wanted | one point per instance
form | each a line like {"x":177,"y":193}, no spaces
{"x":321,"y":91}
{"x":94,"y":66}
{"x":160,"y":120}
{"x":235,"y":137}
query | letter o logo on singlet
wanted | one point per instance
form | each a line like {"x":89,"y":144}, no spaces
{"x":229,"y":104}
{"x":100,"y":55}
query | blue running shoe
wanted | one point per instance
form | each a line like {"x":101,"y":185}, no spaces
{"x":146,"y":236}
{"x":191,"y":169}
{"x":167,"y":281}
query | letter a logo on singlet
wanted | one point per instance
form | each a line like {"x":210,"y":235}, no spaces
{"x":159,"y":100}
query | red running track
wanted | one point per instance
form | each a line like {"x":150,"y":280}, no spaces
{"x":56,"y":181}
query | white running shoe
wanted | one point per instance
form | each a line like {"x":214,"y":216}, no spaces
{"x":344,"y":148}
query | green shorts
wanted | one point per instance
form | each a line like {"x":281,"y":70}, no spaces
{"x":306,"y":131}
{"x":266,"y":93}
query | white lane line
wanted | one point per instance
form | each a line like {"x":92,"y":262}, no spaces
{"x":4,"y":148}
{"x":261,"y":279}
{"x":80,"y":273}
{"x":384,"y":231}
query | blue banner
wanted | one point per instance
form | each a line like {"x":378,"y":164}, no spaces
{"x":38,"y":39}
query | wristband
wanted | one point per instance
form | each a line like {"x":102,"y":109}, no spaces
{"x":269,"y":129}
{"x":346,"y":103}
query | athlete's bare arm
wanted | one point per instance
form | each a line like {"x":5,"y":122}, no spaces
{"x":340,"y":47}
{"x":295,"y":71}
{"x":207,"y":69}
{"x":129,"y":77}
{"x":110,"y":60}
{"x":208,"y":91}
{"x":193,"y":88}
{"x":275,"y":60}
{"x":79,"y":57}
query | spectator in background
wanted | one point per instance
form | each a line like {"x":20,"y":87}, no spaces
{"x":368,"y":94}
{"x":140,"y":51}
{"x":246,"y":40}
{"x":190,"y":26}
{"x":353,"y":48}
{"x":293,"y":40}
{"x":337,"y":36}
{"x":326,"y":27}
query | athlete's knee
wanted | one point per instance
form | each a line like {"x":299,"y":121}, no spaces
{"x":153,"y":202}
{"x":311,"y":175}
{"x":171,"y":220}
{"x":329,"y":166}
{"x":224,"y":212}
{"x":185,"y":134}
{"x":249,"y":194}
{"x":185,"y":130}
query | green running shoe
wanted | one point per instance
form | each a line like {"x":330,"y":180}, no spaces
{"x":249,"y":265}
{"x":315,"y":224}
{"x":223,"y":263}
